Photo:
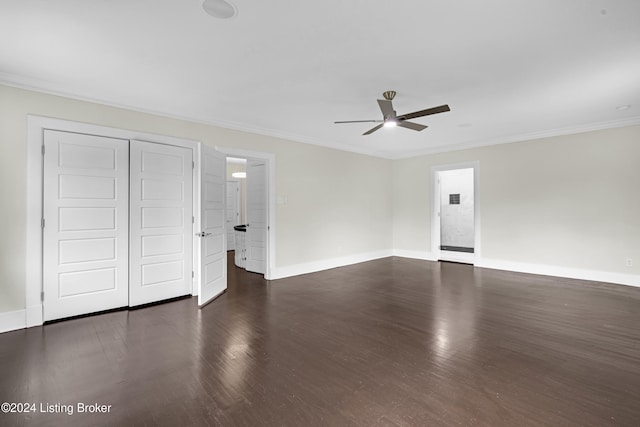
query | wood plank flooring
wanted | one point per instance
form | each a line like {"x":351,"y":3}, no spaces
{"x":392,"y":342}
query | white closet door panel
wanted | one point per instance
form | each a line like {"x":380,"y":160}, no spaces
{"x":162,"y":217}
{"x":168,"y":244}
{"x":74,"y":251}
{"x":87,"y":187}
{"x":153,"y":189}
{"x":161,"y":222}
{"x":87,"y":282}
{"x":85,"y":238}
{"x":78,"y":153}
{"x":87,"y":218}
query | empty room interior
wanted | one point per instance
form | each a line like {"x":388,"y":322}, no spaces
{"x":411,"y":213}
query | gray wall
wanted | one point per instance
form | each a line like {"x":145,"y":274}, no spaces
{"x":570,"y":201}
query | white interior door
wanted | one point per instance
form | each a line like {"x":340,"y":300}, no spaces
{"x":161,"y":225}
{"x":213,"y":255}
{"x":85,"y":236}
{"x":233,"y":211}
{"x":256,"y":238}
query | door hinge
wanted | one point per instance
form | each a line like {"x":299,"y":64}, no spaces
{"x":42,"y":223}
{"x":43,"y":149}
{"x":193,"y":165}
{"x":193,"y":220}
{"x":193,"y":274}
{"x":42,"y":296}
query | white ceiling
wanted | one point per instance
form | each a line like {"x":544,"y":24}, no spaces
{"x":509,"y":69}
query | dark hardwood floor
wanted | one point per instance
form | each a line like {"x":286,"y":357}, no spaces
{"x":387,"y":342}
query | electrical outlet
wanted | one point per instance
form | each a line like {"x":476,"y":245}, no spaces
{"x":629,"y":262}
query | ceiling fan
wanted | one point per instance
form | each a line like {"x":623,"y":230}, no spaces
{"x":391,"y":119}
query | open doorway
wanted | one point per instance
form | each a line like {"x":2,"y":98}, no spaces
{"x":236,"y":197}
{"x":250,"y":227}
{"x":455,"y":225}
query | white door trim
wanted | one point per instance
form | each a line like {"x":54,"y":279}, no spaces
{"x":35,"y":133}
{"x":435,"y":209}
{"x":270,"y":160}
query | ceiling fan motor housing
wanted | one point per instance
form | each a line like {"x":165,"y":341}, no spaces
{"x":389,"y":95}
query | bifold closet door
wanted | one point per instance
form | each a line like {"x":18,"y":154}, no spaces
{"x":161,"y":209}
{"x":86,"y":215}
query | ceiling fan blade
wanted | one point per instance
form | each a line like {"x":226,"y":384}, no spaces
{"x":411,"y":125}
{"x":387,"y":108}
{"x":372,"y":130}
{"x":360,"y":121}
{"x":427,"y":112}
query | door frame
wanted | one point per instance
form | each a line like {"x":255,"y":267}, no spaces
{"x":34,"y":197}
{"x":270,"y":162}
{"x":435,"y":213}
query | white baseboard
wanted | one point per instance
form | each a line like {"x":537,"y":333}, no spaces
{"x":550,"y":270}
{"x":461,"y":257}
{"x":12,"y":320}
{"x":424,"y":255}
{"x":519,"y":267}
{"x":326,"y":264}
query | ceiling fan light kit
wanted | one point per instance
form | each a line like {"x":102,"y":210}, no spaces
{"x":391,"y":119}
{"x":389,"y":95}
{"x":220,"y":9}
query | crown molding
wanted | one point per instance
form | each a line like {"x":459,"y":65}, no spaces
{"x":34,"y":85}
{"x":587,"y":127}
{"x":26,"y":83}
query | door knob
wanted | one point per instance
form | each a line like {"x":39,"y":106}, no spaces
{"x":203,"y":234}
